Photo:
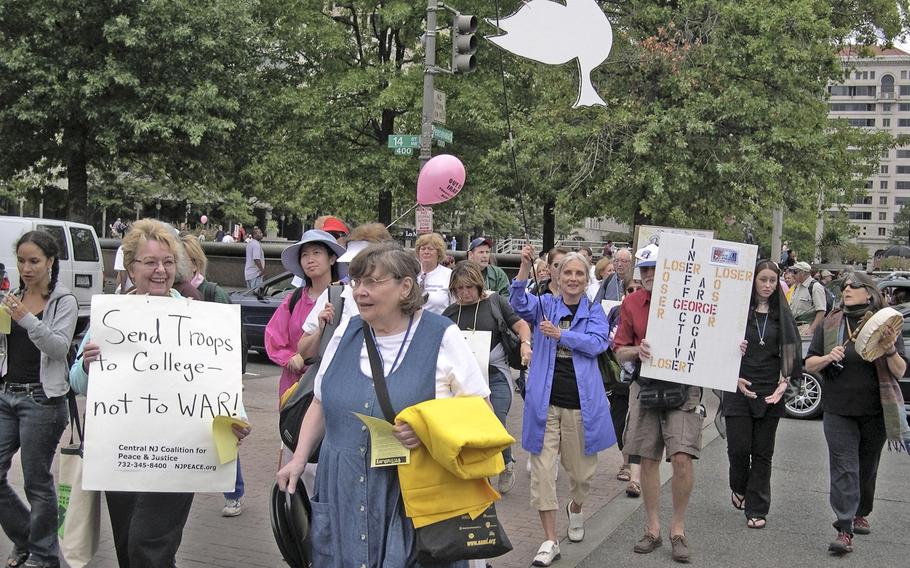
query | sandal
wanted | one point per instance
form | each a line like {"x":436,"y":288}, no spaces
{"x":756,"y":523}
{"x":16,"y":558}
{"x":739,"y":501}
{"x":633,"y":489}
{"x":625,"y":474}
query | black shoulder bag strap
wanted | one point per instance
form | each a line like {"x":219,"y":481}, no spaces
{"x":382,"y":390}
{"x":75,"y":422}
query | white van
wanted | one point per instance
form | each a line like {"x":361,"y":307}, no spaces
{"x":81,"y":264}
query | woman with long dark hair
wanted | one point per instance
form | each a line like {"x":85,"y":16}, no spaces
{"x":862,"y":405}
{"x":773,"y":355}
{"x":32,"y":397}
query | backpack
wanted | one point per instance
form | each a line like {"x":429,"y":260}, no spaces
{"x":829,"y":296}
{"x":511,"y":343}
{"x":297,"y":399}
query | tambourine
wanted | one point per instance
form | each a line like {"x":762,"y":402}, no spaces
{"x":869,"y":340}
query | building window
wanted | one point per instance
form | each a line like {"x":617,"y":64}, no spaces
{"x":902,"y":185}
{"x":903,"y":153}
{"x":903,"y":122}
{"x":903,"y":74}
{"x":882,"y":216}
{"x":855,"y":91}
{"x":868,"y":184}
{"x":860,"y":215}
{"x":883,"y":184}
{"x":851,"y":107}
{"x":886,"y":107}
{"x":886,"y":123}
{"x":883,"y":169}
{"x":905,"y":90}
{"x":903,"y":107}
{"x":865,"y":122}
{"x":863,"y":200}
{"x":901,"y":201}
{"x":903,"y":169}
{"x":881,"y":231}
{"x":883,"y":201}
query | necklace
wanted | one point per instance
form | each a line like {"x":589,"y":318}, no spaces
{"x":761,"y":332}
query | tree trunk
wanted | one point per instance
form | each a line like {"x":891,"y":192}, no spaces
{"x":385,"y":206}
{"x":77,"y":176}
{"x":549,"y":224}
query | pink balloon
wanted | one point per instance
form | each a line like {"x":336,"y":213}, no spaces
{"x":440,"y":180}
{"x":203,"y":219}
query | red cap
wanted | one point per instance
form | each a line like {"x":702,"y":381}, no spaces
{"x":335,"y":225}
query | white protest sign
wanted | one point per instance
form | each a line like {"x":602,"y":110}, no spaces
{"x":168,"y":366}
{"x":699,"y":308}
{"x":479,"y":342}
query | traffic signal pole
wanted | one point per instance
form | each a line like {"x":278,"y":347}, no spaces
{"x":429,"y":73}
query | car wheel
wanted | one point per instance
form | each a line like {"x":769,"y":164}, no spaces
{"x":807,"y":401}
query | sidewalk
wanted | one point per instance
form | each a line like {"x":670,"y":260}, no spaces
{"x":213,"y":541}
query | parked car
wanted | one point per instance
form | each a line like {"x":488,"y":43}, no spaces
{"x":810,"y":387}
{"x":257,"y":306}
{"x":81,"y":266}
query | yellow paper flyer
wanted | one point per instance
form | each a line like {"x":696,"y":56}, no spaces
{"x":225,"y":440}
{"x":385,"y":449}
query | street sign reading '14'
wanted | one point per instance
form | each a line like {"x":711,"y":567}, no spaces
{"x":397,"y":141}
{"x":442,"y":134}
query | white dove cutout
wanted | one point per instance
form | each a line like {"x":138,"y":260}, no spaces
{"x":552,"y":33}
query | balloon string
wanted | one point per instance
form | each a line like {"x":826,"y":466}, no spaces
{"x":411,"y":208}
{"x":519,"y":189}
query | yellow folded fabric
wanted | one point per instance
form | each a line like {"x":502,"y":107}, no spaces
{"x":462,"y":446}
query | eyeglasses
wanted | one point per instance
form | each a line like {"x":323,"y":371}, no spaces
{"x":337,"y":234}
{"x":151,"y":264}
{"x":369,"y":282}
{"x":852,"y":286}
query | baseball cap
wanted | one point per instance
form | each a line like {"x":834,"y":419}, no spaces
{"x":480,"y":241}
{"x":825,"y":273}
{"x":335,"y":225}
{"x":802,"y":266}
{"x":646,"y":256}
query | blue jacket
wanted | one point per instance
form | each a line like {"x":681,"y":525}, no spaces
{"x":587,"y":337}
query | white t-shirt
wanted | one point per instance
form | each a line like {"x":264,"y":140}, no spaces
{"x":119,"y":267}
{"x":253,"y":253}
{"x":227,"y":239}
{"x":311,"y":324}
{"x":457,"y":371}
{"x":436,"y":285}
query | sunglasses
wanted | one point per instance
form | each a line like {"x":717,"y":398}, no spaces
{"x":631,"y":289}
{"x":852,"y":286}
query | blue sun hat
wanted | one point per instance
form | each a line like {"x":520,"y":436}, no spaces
{"x":290,"y":257}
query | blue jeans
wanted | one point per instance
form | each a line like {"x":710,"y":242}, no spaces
{"x":238,"y":485}
{"x":501,"y":399}
{"x":254,"y":282}
{"x":33,"y":423}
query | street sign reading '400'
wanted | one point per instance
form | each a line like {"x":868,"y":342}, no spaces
{"x":404,"y":144}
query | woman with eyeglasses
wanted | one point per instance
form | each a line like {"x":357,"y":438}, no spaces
{"x":147,"y":527}
{"x":433,"y":279}
{"x":357,"y":514}
{"x":32,"y":397}
{"x":854,"y":421}
{"x":773,"y":355}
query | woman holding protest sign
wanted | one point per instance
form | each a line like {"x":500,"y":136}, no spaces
{"x":476,"y":310}
{"x":772,"y":356}
{"x":147,"y":527}
{"x":862,"y":403}
{"x":566,"y":410}
{"x":358,"y":517}
{"x":32,"y":397}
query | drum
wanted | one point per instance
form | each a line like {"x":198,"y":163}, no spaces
{"x":868,"y":342}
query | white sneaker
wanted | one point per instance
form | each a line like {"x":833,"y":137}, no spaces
{"x":546,"y":554}
{"x":232,"y":508}
{"x":576,"y":525}
{"x":507,"y":478}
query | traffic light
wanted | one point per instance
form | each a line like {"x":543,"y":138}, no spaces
{"x":464,"y":43}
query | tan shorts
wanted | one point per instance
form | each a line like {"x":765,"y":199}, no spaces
{"x":649,"y":431}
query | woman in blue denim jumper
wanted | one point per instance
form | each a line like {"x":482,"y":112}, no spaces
{"x":473,"y":310}
{"x":32,"y":397}
{"x":358,"y":516}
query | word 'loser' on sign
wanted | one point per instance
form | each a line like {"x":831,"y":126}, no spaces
{"x":168,"y":367}
{"x":699,"y":310}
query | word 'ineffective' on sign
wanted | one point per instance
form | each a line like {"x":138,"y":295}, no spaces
{"x":699,"y":308}
{"x":168,"y":367}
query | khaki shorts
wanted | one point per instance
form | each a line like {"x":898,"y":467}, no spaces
{"x":649,"y":431}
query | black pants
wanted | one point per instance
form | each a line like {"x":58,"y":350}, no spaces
{"x":855,"y":446}
{"x":148,"y":527}
{"x":750,"y":447}
{"x":619,"y":410}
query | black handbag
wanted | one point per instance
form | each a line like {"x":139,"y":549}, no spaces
{"x":660,"y":395}
{"x":458,"y":538}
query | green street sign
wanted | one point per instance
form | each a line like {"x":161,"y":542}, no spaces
{"x":442,"y":134}
{"x":397,"y":141}
{"x":404,"y":151}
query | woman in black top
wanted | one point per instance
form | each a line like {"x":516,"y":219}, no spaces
{"x":32,"y":397}
{"x":473,"y":310}
{"x":854,"y":422}
{"x":772,"y":355}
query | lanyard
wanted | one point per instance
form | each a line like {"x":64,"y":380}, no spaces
{"x":476,"y":309}
{"x":400,"y":347}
